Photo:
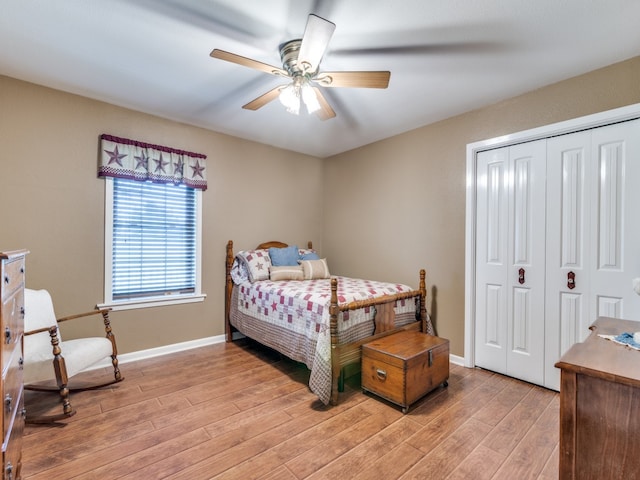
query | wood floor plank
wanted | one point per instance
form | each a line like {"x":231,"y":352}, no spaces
{"x":391,"y":465}
{"x":444,"y":457}
{"x":297,"y":445}
{"x":513,"y":427}
{"x":504,"y":403}
{"x":351,"y":463}
{"x":379,"y":416}
{"x":242,"y":411}
{"x":530,"y":456}
{"x":481,"y":464}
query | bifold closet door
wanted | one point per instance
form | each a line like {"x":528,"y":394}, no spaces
{"x":593,"y":234}
{"x":510,"y":260}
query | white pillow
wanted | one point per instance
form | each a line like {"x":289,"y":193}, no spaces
{"x":286,"y":272}
{"x":313,"y":269}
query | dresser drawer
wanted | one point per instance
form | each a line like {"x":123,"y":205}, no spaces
{"x":405,"y":366}
{"x":12,"y":455}
{"x":12,"y":275}
{"x":12,"y":326}
{"x":11,"y":389}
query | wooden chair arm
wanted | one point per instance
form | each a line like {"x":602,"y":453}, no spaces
{"x":40,"y":330}
{"x":85,"y":314}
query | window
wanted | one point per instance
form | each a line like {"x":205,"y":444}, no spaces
{"x":152,"y":243}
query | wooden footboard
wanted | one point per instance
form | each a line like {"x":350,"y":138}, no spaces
{"x":343,"y":355}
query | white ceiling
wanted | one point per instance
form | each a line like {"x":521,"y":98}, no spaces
{"x":446,"y":57}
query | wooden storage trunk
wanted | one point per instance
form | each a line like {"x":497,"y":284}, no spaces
{"x":405,"y":366}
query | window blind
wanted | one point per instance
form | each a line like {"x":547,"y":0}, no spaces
{"x":154,"y":239}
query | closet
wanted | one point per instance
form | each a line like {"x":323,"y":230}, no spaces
{"x":556,"y":244}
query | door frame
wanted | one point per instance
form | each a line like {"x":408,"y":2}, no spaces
{"x":595,"y":120}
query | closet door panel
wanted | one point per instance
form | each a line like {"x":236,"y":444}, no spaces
{"x":567,"y":314}
{"x":491,"y":254}
{"x":615,"y":226}
{"x":525,"y":327}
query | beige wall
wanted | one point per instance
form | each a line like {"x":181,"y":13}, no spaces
{"x":388,"y":209}
{"x":53,"y":204}
{"x":398,"y":205}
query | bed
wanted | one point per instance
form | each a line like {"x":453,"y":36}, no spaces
{"x":310,"y":316}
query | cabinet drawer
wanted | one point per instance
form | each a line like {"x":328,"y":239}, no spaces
{"x":12,"y":324}
{"x":11,"y":390}
{"x":12,"y":275}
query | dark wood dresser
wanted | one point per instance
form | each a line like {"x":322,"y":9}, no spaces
{"x":12,"y":265}
{"x":600,"y":406}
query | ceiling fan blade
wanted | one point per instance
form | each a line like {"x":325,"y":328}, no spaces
{"x":424,"y":49}
{"x":379,"y":79}
{"x":248,"y":62}
{"x":315,"y":40}
{"x":325,"y":112}
{"x":263,"y":99}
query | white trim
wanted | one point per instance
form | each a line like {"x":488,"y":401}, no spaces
{"x":183,"y":346}
{"x":177,"y":299}
{"x":159,"y":351}
{"x":153,"y":302}
{"x":622,"y":114}
{"x":456,"y":360}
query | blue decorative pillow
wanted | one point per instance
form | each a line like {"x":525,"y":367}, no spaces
{"x":283,"y":257}
{"x":309,"y":256}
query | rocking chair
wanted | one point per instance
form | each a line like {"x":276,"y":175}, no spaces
{"x":47,"y":359}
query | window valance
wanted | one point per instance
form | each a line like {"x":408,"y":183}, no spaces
{"x":124,"y":158}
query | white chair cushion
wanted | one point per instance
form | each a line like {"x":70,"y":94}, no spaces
{"x":38,"y":310}
{"x":79,"y":355}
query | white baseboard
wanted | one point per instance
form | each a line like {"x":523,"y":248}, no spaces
{"x":201,"y":342}
{"x":159,"y":351}
{"x":456,"y":360}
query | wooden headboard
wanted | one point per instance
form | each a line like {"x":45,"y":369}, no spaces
{"x":276,"y":244}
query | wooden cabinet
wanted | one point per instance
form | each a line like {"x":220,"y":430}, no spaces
{"x":405,"y":366}
{"x":600,"y":406}
{"x":12,"y":325}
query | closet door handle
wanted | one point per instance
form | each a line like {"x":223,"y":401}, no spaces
{"x":571,"y":280}
{"x":521,"y":276}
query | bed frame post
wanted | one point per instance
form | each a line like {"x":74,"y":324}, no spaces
{"x":423,"y":302}
{"x":227,"y":292}
{"x":336,"y":369}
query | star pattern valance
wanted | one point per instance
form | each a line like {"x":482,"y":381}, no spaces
{"x":124,"y":158}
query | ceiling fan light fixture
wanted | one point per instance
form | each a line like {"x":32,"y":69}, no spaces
{"x":299,"y":89}
{"x":310,"y":98}
{"x":290,"y":98}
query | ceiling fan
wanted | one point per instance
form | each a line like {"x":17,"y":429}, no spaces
{"x":301,"y":65}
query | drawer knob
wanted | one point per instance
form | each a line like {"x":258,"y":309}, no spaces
{"x":381,"y":374}
{"x":9,"y":471}
{"x":7,"y":403}
{"x":7,"y":335}
{"x":6,"y":279}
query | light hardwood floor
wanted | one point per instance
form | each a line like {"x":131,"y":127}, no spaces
{"x":239,"y":411}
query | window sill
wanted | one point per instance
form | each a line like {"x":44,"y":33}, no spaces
{"x":153,"y":302}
